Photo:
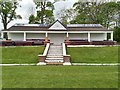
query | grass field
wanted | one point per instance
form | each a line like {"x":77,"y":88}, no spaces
{"x":21,"y":54}
{"x":60,"y":77}
{"x":78,"y":55}
{"x":94,"y":54}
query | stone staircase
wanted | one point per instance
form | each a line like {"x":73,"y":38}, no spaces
{"x":55,"y":55}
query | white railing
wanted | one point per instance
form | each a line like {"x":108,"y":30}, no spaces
{"x":46,"y":49}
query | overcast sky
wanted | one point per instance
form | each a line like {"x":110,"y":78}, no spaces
{"x":28,"y":7}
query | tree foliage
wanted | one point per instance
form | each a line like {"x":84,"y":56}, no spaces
{"x":33,"y":19}
{"x":66,"y":15}
{"x":117,"y":34}
{"x":96,"y":12}
{"x":109,"y":11}
{"x":118,"y":20}
{"x":45,"y":11}
{"x":7,"y":11}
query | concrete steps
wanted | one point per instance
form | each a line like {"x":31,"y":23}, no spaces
{"x":55,"y":55}
{"x":54,"y":63}
{"x":54,"y":58}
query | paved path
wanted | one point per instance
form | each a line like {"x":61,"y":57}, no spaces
{"x":96,"y":64}
{"x":74,"y":64}
{"x":17,"y":64}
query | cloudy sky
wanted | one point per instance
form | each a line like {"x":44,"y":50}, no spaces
{"x":28,"y":7}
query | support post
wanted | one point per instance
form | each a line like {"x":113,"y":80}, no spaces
{"x":24,"y":36}
{"x":89,"y":36}
{"x":67,"y":34}
{"x":2,"y":34}
{"x":8,"y":33}
{"x":46,"y":36}
{"x":112,"y":36}
{"x":67,"y":37}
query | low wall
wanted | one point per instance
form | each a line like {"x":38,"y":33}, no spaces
{"x":20,"y":43}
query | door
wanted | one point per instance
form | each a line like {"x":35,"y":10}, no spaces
{"x":57,"y":38}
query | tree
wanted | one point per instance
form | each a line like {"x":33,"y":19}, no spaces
{"x":7,"y":12}
{"x":118,"y":14}
{"x":82,"y":9}
{"x":110,"y":9}
{"x":66,"y":15}
{"x":45,"y":11}
{"x":95,"y":12}
{"x":117,"y":34}
{"x":33,"y":20}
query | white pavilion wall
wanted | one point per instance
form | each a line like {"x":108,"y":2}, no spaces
{"x":58,"y":37}
{"x":78,"y":36}
{"x":98,"y":36}
{"x":35,"y":35}
{"x":17,"y":36}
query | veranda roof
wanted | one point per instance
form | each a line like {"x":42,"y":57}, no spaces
{"x":46,"y":28}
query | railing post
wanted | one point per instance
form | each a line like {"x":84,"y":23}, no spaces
{"x":41,"y":58}
{"x":67,"y":42}
{"x":46,"y":38}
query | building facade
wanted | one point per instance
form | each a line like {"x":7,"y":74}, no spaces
{"x":57,"y":32}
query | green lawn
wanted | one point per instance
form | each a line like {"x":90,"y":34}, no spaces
{"x":93,"y":54}
{"x":21,"y":54}
{"x":80,"y":54}
{"x":60,"y":77}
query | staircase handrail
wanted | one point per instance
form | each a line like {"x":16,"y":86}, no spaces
{"x":46,"y":49}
